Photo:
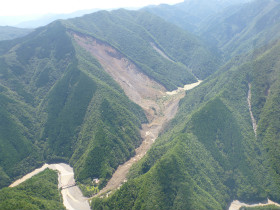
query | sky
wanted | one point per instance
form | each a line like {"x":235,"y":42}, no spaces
{"x":39,"y":7}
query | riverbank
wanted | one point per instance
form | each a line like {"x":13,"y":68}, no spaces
{"x":73,"y":198}
{"x":236,"y":205}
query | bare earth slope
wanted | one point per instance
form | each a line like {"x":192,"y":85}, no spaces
{"x":160,"y":106}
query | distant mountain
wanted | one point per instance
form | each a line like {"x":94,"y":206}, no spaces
{"x":8,"y":32}
{"x":242,"y":28}
{"x":232,"y":27}
{"x":191,"y":13}
{"x":14,"y":20}
{"x":48,"y":18}
{"x":35,"y":21}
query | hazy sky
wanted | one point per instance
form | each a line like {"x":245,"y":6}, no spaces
{"x":31,"y":7}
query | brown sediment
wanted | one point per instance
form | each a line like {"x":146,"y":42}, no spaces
{"x":159,"y":106}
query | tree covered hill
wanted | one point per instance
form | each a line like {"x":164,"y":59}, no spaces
{"x":231,"y":27}
{"x":240,"y":29}
{"x":39,"y":192}
{"x":57,"y":104}
{"x":8,"y":32}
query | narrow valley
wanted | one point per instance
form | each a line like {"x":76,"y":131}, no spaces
{"x":159,"y":105}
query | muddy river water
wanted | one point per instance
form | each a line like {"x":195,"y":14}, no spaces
{"x":73,"y":198}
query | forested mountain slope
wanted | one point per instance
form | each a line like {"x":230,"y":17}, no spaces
{"x":232,"y":27}
{"x":211,"y":155}
{"x":52,"y":92}
{"x":137,"y":34}
{"x":58,"y":103}
{"x":242,"y":28}
{"x":8,"y":32}
{"x":40,"y":192}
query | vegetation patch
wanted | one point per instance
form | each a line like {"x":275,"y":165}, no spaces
{"x":39,"y":192}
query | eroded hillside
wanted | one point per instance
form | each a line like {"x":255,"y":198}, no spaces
{"x":160,"y":107}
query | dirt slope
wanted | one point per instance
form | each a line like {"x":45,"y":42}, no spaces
{"x":160,"y":106}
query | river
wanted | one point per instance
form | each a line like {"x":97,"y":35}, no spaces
{"x":236,"y":205}
{"x":73,"y":198}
